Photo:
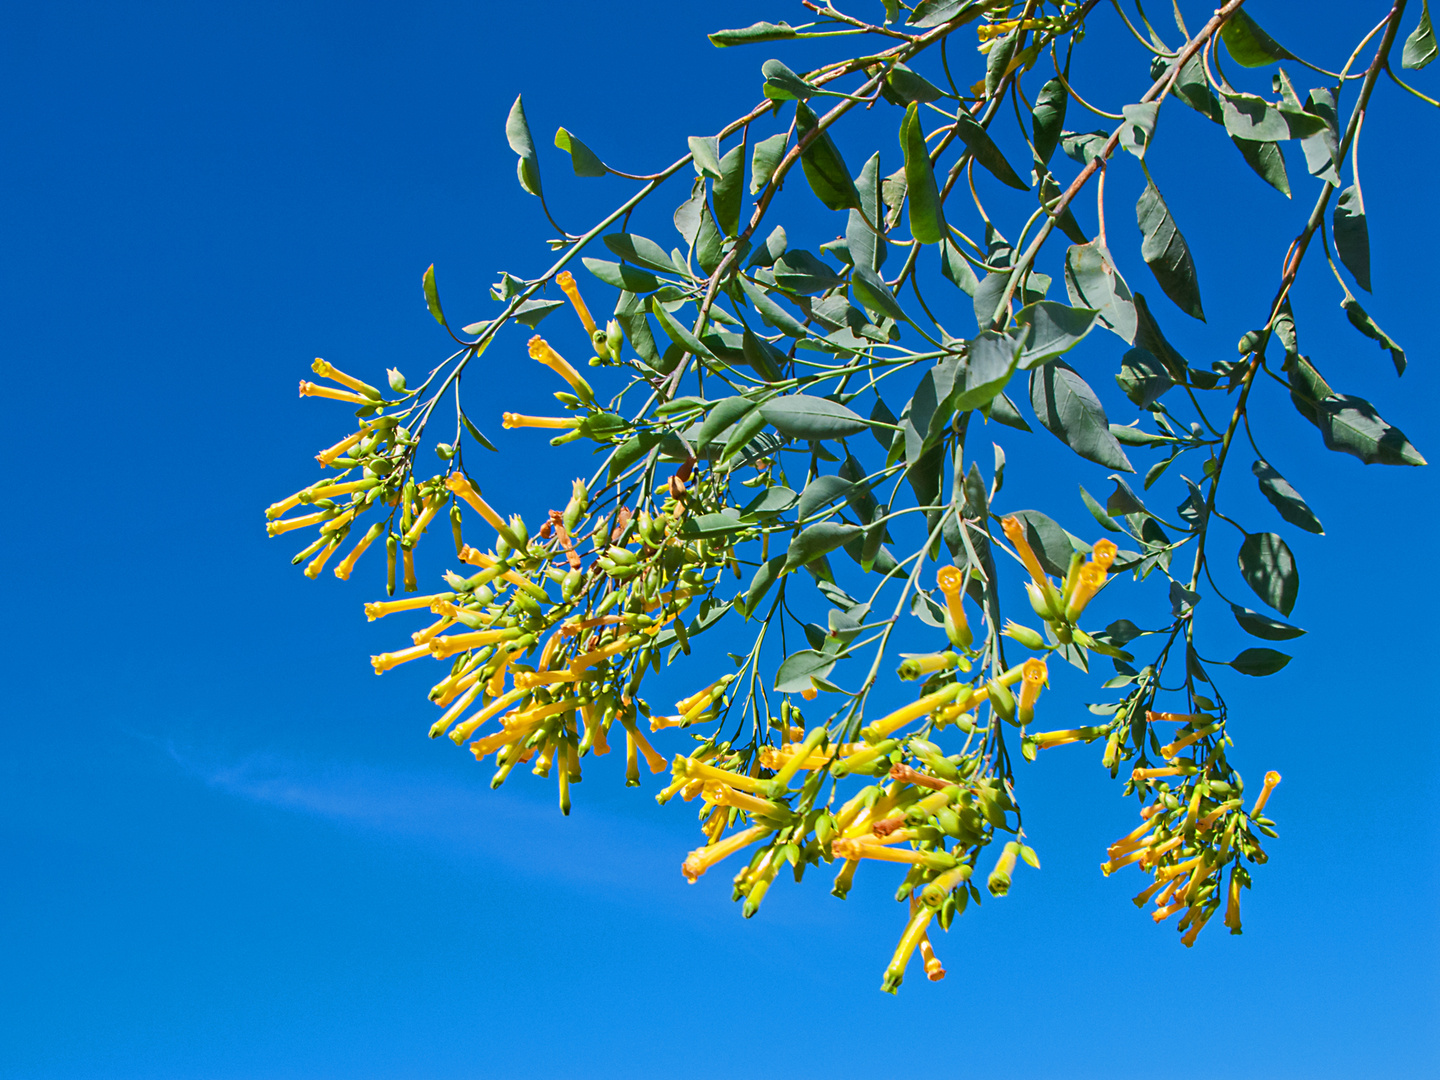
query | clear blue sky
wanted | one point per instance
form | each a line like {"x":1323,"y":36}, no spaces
{"x":228,"y":849}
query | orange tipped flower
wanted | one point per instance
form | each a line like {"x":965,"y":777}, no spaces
{"x":330,"y":371}
{"x":325,"y":457}
{"x":952,"y":583}
{"x":520,"y":420}
{"x":1034,"y":676}
{"x":1015,"y":532}
{"x":1091,"y":580}
{"x":540,"y":350}
{"x":348,"y":563}
{"x":462,"y":487}
{"x":1103,"y":554}
{"x":310,"y":389}
{"x":1271,"y":779}
{"x":385,"y":661}
{"x":566,"y":281}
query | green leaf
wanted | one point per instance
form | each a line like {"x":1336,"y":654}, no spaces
{"x":1053,"y":329}
{"x":1048,"y":119}
{"x":709,"y":244}
{"x":957,"y":269}
{"x":760,"y":584}
{"x":991,"y":362}
{"x":782,"y":84}
{"x":1003,"y":411}
{"x":753,"y":34}
{"x":800,"y":416}
{"x":798,"y":271}
{"x":1193,"y":88}
{"x":517,"y":132}
{"x":910,"y":87}
{"x":1259,"y":662}
{"x":473,"y":430}
{"x":823,"y":166}
{"x":1098,"y":512}
{"x":771,"y":501}
{"x":1138,"y":131}
{"x":769,"y":310}
{"x":1263,"y":626}
{"x":819,"y":539}
{"x":705,"y":150}
{"x":872,"y":292}
{"x":1092,"y":281}
{"x":821,"y":491}
{"x":1250,"y":45}
{"x":1084,"y":146}
{"x":1268,"y":162}
{"x":1166,"y":253}
{"x":929,"y":13}
{"x":1420,"y":46}
{"x":730,"y":191}
{"x":772,"y":249}
{"x":721,"y":418}
{"x":1048,"y":540}
{"x":761,"y":356}
{"x":764,"y":160}
{"x":632,"y":247}
{"x":1352,"y":235}
{"x":1123,"y":500}
{"x":1069,"y":409}
{"x":1269,"y":569}
{"x":630,"y":278}
{"x":712,"y":525}
{"x":582,"y":158}
{"x":741,"y":435}
{"x":531,"y":312}
{"x":927,"y":220}
{"x":1346,"y":423}
{"x":677,"y":333}
{"x":1257,"y":120}
{"x":632,"y":450}
{"x":1291,"y":506}
{"x":797,"y":669}
{"x":866,"y":248}
{"x":1367,"y":326}
{"x":432,"y":296}
{"x":984,"y":150}
{"x":1149,"y":338}
{"x":1321,"y":149}
{"x":630,"y":314}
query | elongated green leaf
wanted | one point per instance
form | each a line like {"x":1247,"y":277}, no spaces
{"x":956,"y":268}
{"x":517,"y":132}
{"x":764,"y":159}
{"x":928,"y":13}
{"x":705,"y":150}
{"x":1092,"y":281}
{"x":1098,"y":512}
{"x":582,"y":159}
{"x":771,"y":311}
{"x":1259,"y":662}
{"x":432,"y":295}
{"x":1250,"y":45}
{"x":1292,"y":507}
{"x":1420,"y":46}
{"x":1166,"y":253}
{"x":1322,"y":149}
{"x":753,"y":34}
{"x":800,"y":416}
{"x":870,"y":289}
{"x":1084,"y":146}
{"x":730,"y":191}
{"x":1348,"y":424}
{"x":760,"y":584}
{"x":908,"y":86}
{"x":866,"y":248}
{"x":621,"y":276}
{"x":1269,"y":569}
{"x":1268,"y":162}
{"x":985,"y":151}
{"x":782,"y":84}
{"x":1255,"y":119}
{"x":1149,"y":337}
{"x":771,"y":501}
{"x":1139,"y":127}
{"x":823,"y":166}
{"x":1371,"y":329}
{"x":1069,"y":409}
{"x":1193,"y":88}
{"x":991,"y":362}
{"x":532,"y":311}
{"x":820,"y":492}
{"x":1048,"y":119}
{"x":927,"y":221}
{"x":1263,"y":626}
{"x":819,"y":539}
{"x":1052,"y":330}
{"x":798,"y":271}
{"x":797,"y":669}
{"x":632,"y":247}
{"x":677,"y":333}
{"x":1352,"y":235}
{"x":720,"y":419}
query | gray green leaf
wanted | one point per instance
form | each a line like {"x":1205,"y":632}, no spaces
{"x":801,"y":416}
{"x":927,"y":221}
{"x":517,"y":132}
{"x":1069,"y":409}
{"x":1259,"y":662}
{"x":1269,"y":569}
{"x":1420,"y":46}
{"x":1352,"y":235}
{"x":1289,"y":502}
{"x":1166,"y":253}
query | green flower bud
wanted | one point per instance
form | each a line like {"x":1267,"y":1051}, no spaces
{"x":1031,"y":639}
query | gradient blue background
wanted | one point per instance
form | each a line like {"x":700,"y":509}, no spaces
{"x":228,"y":849}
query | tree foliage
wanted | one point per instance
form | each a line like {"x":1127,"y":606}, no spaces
{"x":789,"y":443}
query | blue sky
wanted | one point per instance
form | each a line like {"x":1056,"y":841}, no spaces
{"x":229,"y":849}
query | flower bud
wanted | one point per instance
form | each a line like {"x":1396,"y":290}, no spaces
{"x":1031,"y":639}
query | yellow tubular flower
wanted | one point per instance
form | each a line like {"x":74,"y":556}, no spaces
{"x":1015,"y":532}
{"x":590,"y":659}
{"x":858,"y":848}
{"x":952,"y":583}
{"x":1188,"y":939}
{"x":540,"y":350}
{"x":310,"y":389}
{"x":914,"y":931}
{"x":427,"y":514}
{"x":385,"y":661}
{"x":519,"y":420}
{"x":318,"y":563}
{"x":1091,"y":581}
{"x":330,"y":371}
{"x":566,"y":281}
{"x":464,"y":730}
{"x":420,"y":637}
{"x":1271,"y":779}
{"x":378,"y":609}
{"x":652,"y":758}
{"x":723,"y":795}
{"x":1169,"y":750}
{"x":348,"y":563}
{"x":934,"y":969}
{"x":407,"y":559}
{"x":701,"y":859}
{"x":462,"y":703}
{"x":524,"y":680}
{"x":462,"y":487}
{"x":1034,"y":675}
{"x":277,"y":528}
{"x":1232,"y":905}
{"x":487,"y":562}
{"x":902,"y":716}
{"x":325,"y":457}
{"x":1103,"y":554}
{"x":442,"y":647}
{"x":915,"y":667}
{"x":698,"y":770}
